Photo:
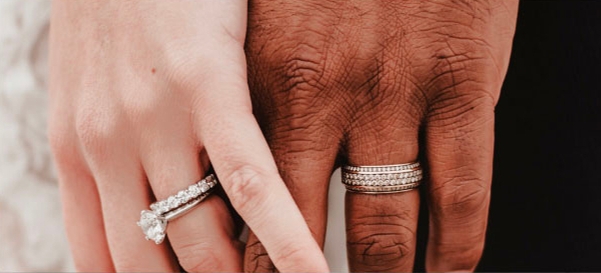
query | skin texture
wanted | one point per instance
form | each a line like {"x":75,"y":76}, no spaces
{"x":145,"y":94}
{"x":383,"y":82}
{"x":142,"y":95}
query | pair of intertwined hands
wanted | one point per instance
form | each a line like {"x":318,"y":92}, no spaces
{"x":146,"y":96}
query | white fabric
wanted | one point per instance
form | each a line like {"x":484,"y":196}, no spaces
{"x":31,"y":229}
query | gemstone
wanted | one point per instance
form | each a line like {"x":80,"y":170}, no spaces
{"x":204,"y":187}
{"x":194,"y":190}
{"x":153,"y":226}
{"x":172,"y":202}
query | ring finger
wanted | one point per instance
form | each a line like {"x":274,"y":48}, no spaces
{"x":381,"y":228}
{"x":204,"y":239}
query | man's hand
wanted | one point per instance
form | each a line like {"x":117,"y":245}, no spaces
{"x":376,"y":82}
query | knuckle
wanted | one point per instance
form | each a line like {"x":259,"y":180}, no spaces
{"x":303,"y":71}
{"x":246,"y":186}
{"x":297,"y":68}
{"x":94,"y":128}
{"x":391,"y":95}
{"x":198,"y":257}
{"x":460,"y":201}
{"x":384,"y":245}
{"x":460,"y":112}
{"x":461,"y":65}
{"x":257,"y":259}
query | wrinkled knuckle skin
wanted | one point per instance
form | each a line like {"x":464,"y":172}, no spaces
{"x":95,"y":128}
{"x":293,"y":73}
{"x":198,"y":257}
{"x":303,"y":71}
{"x":297,"y":99}
{"x":382,"y":246}
{"x":462,"y":79}
{"x":297,"y":82}
{"x":247,"y":187}
{"x":461,"y":201}
{"x":294,"y":63}
{"x":461,"y":114}
{"x":454,"y":60}
{"x":257,"y":259}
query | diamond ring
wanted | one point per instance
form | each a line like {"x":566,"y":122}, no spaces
{"x":382,"y":179}
{"x":154,"y":221}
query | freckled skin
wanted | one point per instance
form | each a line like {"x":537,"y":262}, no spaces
{"x":375,"y":82}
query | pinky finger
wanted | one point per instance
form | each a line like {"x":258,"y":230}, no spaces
{"x":83,"y":217}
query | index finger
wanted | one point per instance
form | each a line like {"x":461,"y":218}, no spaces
{"x":246,"y":168}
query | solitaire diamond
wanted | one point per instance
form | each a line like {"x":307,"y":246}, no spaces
{"x":153,"y":226}
{"x":154,"y":222}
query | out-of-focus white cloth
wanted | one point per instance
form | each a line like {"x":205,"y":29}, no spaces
{"x":31,"y":229}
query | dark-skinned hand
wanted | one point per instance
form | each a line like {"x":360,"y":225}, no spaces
{"x":383,"y":82}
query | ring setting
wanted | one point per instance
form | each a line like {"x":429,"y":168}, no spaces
{"x":382,"y":179}
{"x":154,"y":222}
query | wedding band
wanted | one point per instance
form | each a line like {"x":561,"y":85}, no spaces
{"x":154,"y":221}
{"x":382,"y":179}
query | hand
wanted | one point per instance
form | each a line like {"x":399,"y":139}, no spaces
{"x":143,"y":95}
{"x":373,"y":83}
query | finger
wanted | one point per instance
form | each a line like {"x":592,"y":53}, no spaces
{"x":81,"y":209}
{"x":124,"y":192}
{"x":381,"y":228}
{"x":306,"y":170}
{"x":459,"y":148}
{"x":204,"y":238}
{"x":245,"y":166}
{"x":381,"y":231}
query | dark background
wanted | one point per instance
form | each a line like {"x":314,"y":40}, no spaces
{"x":546,"y":203}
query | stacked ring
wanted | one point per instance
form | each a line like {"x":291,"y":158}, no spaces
{"x":382,"y":179}
{"x":154,"y":221}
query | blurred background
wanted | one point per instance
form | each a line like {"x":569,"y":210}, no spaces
{"x":546,"y":201}
{"x":31,"y":229}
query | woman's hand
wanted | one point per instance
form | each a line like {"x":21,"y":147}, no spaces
{"x":144,"y":94}
{"x":373,"y":83}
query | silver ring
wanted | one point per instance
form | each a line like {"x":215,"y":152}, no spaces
{"x":383,"y":178}
{"x":154,"y":221}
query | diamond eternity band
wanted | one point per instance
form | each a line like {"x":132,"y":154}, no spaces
{"x":153,"y":222}
{"x":382,"y":179}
